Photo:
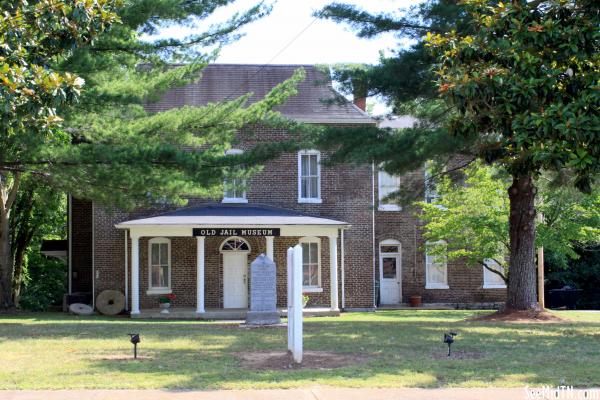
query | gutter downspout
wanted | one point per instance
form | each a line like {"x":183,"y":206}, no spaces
{"x":373,"y":229}
{"x":125,"y":231}
{"x":70,"y":244}
{"x":343,"y":270}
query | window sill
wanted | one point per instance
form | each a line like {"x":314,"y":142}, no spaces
{"x":494,"y":286}
{"x":389,"y":207}
{"x":310,"y":201}
{"x":437,"y":287}
{"x":242,"y":201}
{"x":159,"y":291}
{"x":312,"y":289}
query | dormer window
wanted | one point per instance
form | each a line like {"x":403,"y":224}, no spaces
{"x":309,"y":176}
{"x":234,"y":188}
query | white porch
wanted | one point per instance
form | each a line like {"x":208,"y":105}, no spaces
{"x":227,"y":220}
{"x":225,"y":313}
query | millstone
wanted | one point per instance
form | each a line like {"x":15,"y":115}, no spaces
{"x":81,"y":309}
{"x":110,"y":302}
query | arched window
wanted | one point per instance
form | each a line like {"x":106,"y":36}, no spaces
{"x":235,"y":244}
{"x":159,"y":265}
{"x":311,"y":263}
{"x":234,"y":187}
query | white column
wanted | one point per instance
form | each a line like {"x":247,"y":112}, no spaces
{"x":135,"y":274}
{"x":269,"y":247}
{"x":333,"y":263}
{"x":200,"y":274}
{"x":290,"y":298}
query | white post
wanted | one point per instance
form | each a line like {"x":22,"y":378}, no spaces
{"x":290,"y":298}
{"x":200,"y":275}
{"x":333,"y":263}
{"x":126,"y":270}
{"x":270,"y":247}
{"x":297,"y":296}
{"x":135,"y":274}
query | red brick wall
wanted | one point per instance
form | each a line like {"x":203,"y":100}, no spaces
{"x":465,"y":283}
{"x":81,"y":251}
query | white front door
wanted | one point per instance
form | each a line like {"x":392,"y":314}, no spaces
{"x":235,"y":279}
{"x":390,"y":278}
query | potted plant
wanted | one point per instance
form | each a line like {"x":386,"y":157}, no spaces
{"x":165,"y":302}
{"x":305,"y":299}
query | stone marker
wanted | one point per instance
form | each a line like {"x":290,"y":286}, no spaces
{"x":263,"y":292}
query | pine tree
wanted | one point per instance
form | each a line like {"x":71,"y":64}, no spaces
{"x":519,"y":84}
{"x":106,"y":146}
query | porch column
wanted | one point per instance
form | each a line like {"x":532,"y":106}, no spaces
{"x":135,"y":274}
{"x":200,"y":274}
{"x":269,"y":247}
{"x":333,"y":263}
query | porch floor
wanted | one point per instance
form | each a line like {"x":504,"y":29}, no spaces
{"x":225,"y":313}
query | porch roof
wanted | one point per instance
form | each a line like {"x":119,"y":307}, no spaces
{"x":224,"y":214}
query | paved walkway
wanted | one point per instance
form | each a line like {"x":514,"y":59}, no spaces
{"x":316,"y":393}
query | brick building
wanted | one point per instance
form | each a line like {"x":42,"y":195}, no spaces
{"x":358,"y":250}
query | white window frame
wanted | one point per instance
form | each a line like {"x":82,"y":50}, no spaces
{"x":435,"y":285}
{"x":242,"y":199}
{"x":316,"y":200}
{"x":488,"y":273}
{"x":319,"y":287}
{"x":398,"y":254}
{"x":381,"y":205}
{"x":158,"y":289}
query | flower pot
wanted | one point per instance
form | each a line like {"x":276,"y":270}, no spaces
{"x":164,"y":308}
{"x":415,"y":301}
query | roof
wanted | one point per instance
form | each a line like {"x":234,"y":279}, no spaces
{"x":403,"y":121}
{"x":316,"y":101}
{"x":219,"y":214}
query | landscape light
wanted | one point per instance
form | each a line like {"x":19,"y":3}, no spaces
{"x":135,"y":339}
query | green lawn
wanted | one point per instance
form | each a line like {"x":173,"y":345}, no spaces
{"x":41,"y":351}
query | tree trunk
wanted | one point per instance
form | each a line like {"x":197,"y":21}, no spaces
{"x":6,"y":264}
{"x":23,"y":225}
{"x":522,"y":278}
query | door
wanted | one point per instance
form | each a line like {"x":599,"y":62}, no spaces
{"x":390,"y":277}
{"x":235,"y":279}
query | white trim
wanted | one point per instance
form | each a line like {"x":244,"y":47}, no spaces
{"x":70,"y":244}
{"x":386,"y":206}
{"x":313,"y":239}
{"x":373,"y":239}
{"x":333,"y":264}
{"x":269,"y":244}
{"x":486,"y":272}
{"x":200,"y":271}
{"x":312,"y":289}
{"x":436,"y":285}
{"x":135,"y":274}
{"x":186,"y":230}
{"x":398,"y":256}
{"x":314,"y":200}
{"x":238,"y":238}
{"x":156,"y":291}
{"x":342,"y":255}
{"x":242,"y":199}
{"x":126,"y":270}
{"x":159,"y":289}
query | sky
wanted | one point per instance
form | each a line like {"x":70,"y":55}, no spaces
{"x":292,"y":35}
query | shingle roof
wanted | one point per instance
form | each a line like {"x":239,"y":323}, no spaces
{"x":228,"y":81}
{"x":232,"y":214}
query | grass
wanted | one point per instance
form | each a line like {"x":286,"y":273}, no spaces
{"x":57,"y":351}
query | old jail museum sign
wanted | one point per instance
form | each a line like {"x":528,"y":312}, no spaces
{"x":235,"y":231}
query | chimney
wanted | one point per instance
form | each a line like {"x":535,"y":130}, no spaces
{"x":360,"y":102}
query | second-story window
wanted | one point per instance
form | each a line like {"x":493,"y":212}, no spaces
{"x":309,"y":176}
{"x":234,"y":188}
{"x":388,"y":184}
